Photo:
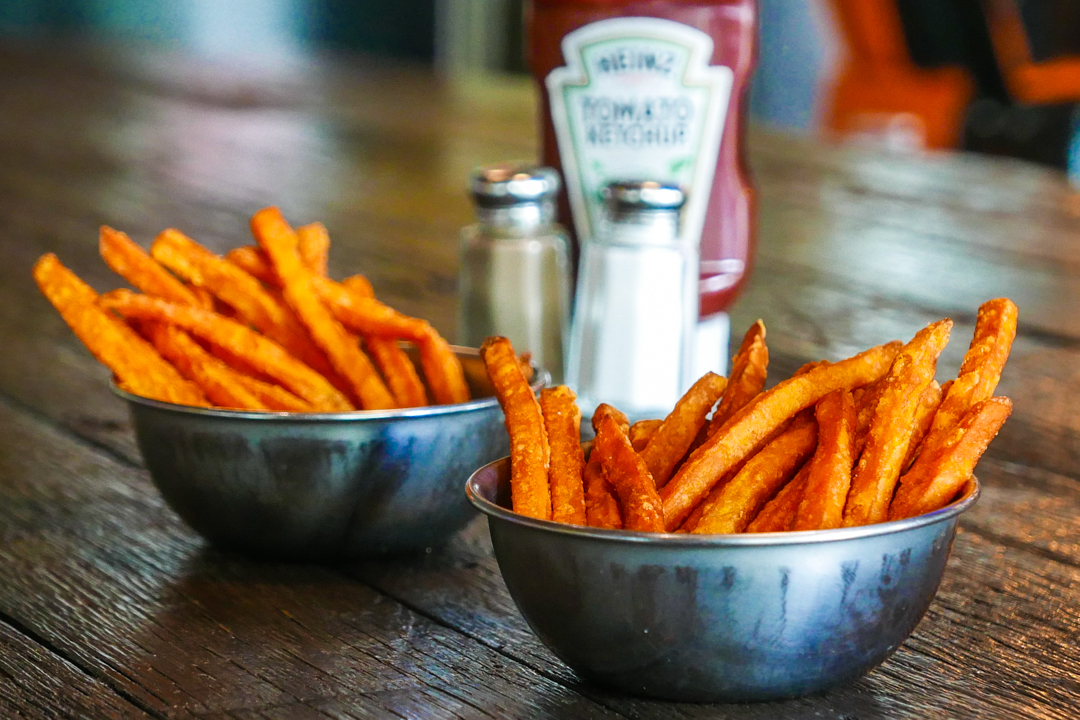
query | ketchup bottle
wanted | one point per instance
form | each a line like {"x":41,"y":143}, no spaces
{"x":656,"y":90}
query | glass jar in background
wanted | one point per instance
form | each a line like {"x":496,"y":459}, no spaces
{"x":636,"y":307}
{"x":655,"y":89}
{"x":515,"y":267}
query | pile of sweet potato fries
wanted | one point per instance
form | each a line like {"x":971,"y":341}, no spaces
{"x":263,"y":328}
{"x":860,"y":441}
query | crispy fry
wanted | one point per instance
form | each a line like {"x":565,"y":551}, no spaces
{"x":670,"y":443}
{"x":642,"y":431}
{"x":530,"y":454}
{"x":562,"y":420}
{"x":360,"y":285}
{"x":995,"y":330}
{"x":747,"y":377}
{"x":601,"y":507}
{"x":278,"y":240}
{"x":240,"y":291}
{"x":604,"y":410}
{"x":216,"y":379}
{"x":392,"y":361}
{"x":204,"y":298}
{"x":398,"y":371}
{"x":625,"y":471}
{"x":443,"y":370}
{"x":881,"y":462}
{"x":253,"y":261}
{"x":135,"y":265}
{"x":313,"y":244}
{"x":137,"y":366}
{"x":760,"y":479}
{"x":936,"y":477}
{"x":749,"y":428}
{"x":924,"y":416}
{"x":829,"y":476}
{"x":274,"y":397}
{"x":263,"y":354}
{"x":778,"y":515}
{"x":368,"y":316}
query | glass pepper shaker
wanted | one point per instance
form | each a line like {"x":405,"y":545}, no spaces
{"x":515,"y":267}
{"x":636,"y":307}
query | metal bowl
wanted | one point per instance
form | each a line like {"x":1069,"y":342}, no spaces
{"x":718,"y":618}
{"x":317,"y":486}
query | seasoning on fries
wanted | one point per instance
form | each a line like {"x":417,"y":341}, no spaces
{"x":858,"y":441}
{"x":253,"y":330}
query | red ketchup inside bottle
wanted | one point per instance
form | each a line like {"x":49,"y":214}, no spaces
{"x":654,"y":90}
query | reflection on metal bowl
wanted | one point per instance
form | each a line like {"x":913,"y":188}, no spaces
{"x":322,"y":486}
{"x":712,"y":618}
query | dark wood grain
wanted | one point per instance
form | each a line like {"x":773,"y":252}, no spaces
{"x":109,"y":606}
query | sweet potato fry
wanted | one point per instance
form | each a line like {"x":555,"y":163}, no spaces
{"x":562,"y":420}
{"x":530,"y":454}
{"x":670,"y":443}
{"x":216,"y":379}
{"x":604,"y":410}
{"x":642,"y":432}
{"x":263,"y":354}
{"x":752,"y":425}
{"x":625,"y":471}
{"x":881,"y":462}
{"x":760,"y":478}
{"x":313,"y":244}
{"x":393,"y":362}
{"x":203,"y":297}
{"x":135,"y":265}
{"x":274,"y":397}
{"x":240,"y":291}
{"x":995,"y":329}
{"x":137,"y":366}
{"x":360,"y":285}
{"x":924,"y":416}
{"x":253,"y":261}
{"x":778,"y":515}
{"x":829,"y":476}
{"x":368,"y":316}
{"x":442,"y":369}
{"x":601,"y":507}
{"x":278,"y":241}
{"x":747,"y":377}
{"x":936,"y":477}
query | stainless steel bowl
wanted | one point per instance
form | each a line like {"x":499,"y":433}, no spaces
{"x":728,"y":618}
{"x":322,"y":486}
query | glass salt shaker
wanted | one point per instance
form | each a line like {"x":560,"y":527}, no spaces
{"x":515,"y":267}
{"x":636,"y":308}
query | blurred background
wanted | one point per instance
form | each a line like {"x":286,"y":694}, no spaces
{"x":993,"y":76}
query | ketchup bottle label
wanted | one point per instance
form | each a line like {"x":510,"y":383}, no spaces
{"x":638,"y":100}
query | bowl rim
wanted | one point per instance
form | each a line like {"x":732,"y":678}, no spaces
{"x":541,"y":378}
{"x":969,"y":496}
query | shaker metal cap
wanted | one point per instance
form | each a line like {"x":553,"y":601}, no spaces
{"x":505,"y":185}
{"x":637,"y":195}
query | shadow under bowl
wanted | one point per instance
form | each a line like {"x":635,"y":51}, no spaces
{"x":718,"y":618}
{"x":323,"y":487}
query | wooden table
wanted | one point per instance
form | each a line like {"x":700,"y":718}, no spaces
{"x":111,"y":607}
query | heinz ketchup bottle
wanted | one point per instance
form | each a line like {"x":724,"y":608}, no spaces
{"x":655,"y":89}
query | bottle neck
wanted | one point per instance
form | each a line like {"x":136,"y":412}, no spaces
{"x":642,"y":227}
{"x":519,"y":219}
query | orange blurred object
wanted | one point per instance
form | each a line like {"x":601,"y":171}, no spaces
{"x":881,"y":92}
{"x":1029,"y":82}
